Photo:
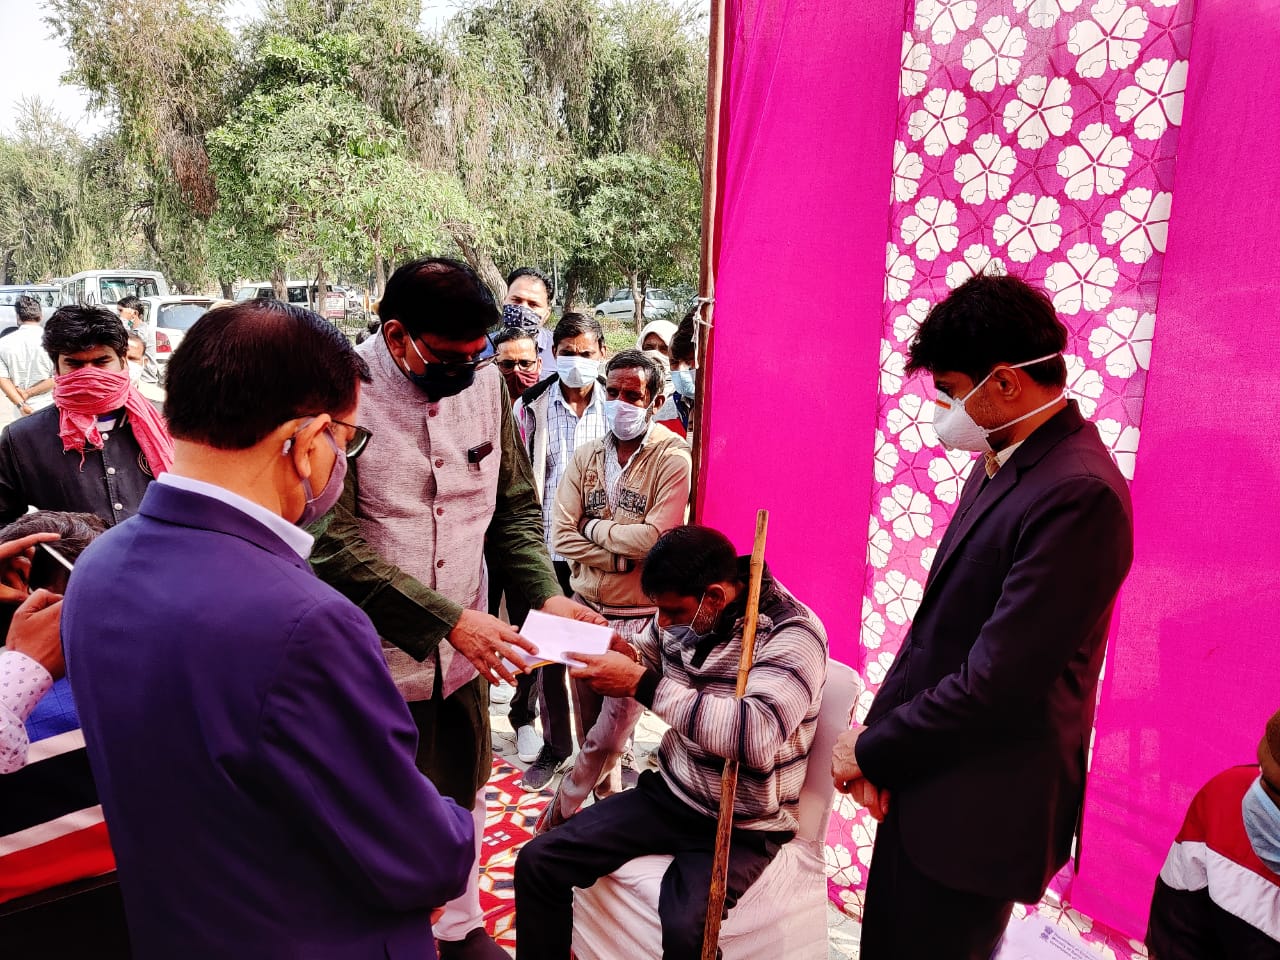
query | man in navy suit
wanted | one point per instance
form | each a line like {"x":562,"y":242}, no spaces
{"x":254,"y":759}
{"x":973,"y":753}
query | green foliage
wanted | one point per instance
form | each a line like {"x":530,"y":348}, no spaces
{"x":41,"y":225}
{"x":335,"y":135}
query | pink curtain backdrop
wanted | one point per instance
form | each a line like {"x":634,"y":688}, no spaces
{"x":874,"y":155}
{"x":805,"y":152}
{"x":1194,"y":668}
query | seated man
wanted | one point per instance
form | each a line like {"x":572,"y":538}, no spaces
{"x":100,"y":444}
{"x":1218,"y":896}
{"x":685,"y":669}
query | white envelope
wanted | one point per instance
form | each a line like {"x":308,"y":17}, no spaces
{"x":557,"y":636}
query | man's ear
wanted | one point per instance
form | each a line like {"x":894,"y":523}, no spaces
{"x":301,"y":444}
{"x":1006,"y":382}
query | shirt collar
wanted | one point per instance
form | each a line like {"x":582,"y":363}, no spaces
{"x":298,"y":540}
{"x":557,"y":396}
{"x":1002,"y":456}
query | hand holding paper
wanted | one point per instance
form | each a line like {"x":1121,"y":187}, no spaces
{"x":555,"y":637}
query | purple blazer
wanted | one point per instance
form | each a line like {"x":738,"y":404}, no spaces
{"x":254,"y":759}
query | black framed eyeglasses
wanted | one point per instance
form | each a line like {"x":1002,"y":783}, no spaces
{"x":456,"y":368}
{"x":360,"y":437}
{"x":507,"y":366}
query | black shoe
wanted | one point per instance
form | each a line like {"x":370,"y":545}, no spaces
{"x":542,"y":770}
{"x":477,"y":945}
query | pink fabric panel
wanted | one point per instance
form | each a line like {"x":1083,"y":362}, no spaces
{"x":810,"y":105}
{"x":1195,"y":666}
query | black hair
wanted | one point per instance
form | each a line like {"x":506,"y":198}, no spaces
{"x":989,"y":320}
{"x":75,"y":532}
{"x":686,"y":560}
{"x":537,"y":274}
{"x":574,"y":324}
{"x":129,"y":303}
{"x":74,"y":328}
{"x":243,"y":370}
{"x":508,"y":334}
{"x":636,"y":360}
{"x":440,"y":296}
{"x":684,"y":341}
{"x":27,"y":309}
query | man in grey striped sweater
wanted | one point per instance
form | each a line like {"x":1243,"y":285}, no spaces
{"x":685,"y":669}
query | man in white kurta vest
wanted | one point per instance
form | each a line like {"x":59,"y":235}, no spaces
{"x":443,"y":491}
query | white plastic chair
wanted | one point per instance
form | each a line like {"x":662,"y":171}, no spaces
{"x":783,"y":914}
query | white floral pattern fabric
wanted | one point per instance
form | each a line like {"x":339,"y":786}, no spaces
{"x":1035,"y":137}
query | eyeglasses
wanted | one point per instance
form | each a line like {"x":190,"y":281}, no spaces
{"x":359,"y":439}
{"x":506,"y":366}
{"x":456,"y":368}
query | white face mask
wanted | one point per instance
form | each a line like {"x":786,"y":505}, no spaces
{"x":958,"y":431}
{"x":577,"y":372}
{"x":626,"y":420}
{"x":135,"y":370}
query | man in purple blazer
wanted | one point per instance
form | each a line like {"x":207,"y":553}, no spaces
{"x":254,"y":759}
{"x":973,"y":754}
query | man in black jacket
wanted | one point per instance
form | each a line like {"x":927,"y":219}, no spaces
{"x":974,"y":749}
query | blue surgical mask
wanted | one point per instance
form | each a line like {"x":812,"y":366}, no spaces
{"x":684,"y":381}
{"x":686,"y":635}
{"x":1262,"y":824}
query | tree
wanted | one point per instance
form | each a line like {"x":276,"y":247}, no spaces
{"x":640,"y":219}
{"x":160,"y":66}
{"x":41,"y":229}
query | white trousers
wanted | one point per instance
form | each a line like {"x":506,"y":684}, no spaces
{"x":463,"y":915}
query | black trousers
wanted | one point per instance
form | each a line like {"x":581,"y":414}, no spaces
{"x":604,"y":836}
{"x":908,"y":916}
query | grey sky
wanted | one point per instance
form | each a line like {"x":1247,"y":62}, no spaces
{"x":34,"y":61}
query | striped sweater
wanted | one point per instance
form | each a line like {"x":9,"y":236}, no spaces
{"x":769,"y":731}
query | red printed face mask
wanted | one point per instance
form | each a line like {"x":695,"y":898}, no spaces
{"x":83,"y":395}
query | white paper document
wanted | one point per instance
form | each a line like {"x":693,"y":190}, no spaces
{"x":556,"y":636}
{"x":1034,"y":938}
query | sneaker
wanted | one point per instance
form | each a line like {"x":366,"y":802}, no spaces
{"x":501,"y":693}
{"x":543,"y":769}
{"x":528,"y":744}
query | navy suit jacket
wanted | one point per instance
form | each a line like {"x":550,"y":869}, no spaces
{"x":981,"y":727}
{"x":254,"y":759}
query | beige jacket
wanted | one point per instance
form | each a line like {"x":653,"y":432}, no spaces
{"x":605,"y":549}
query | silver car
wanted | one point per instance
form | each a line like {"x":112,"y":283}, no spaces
{"x":47,"y":295}
{"x":657,"y":303}
{"x":167,"y":319}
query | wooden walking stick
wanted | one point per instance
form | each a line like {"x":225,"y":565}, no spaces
{"x":729,"y":784}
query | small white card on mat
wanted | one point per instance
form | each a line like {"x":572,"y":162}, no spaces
{"x":557,"y":636}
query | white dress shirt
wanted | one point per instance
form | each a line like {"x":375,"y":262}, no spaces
{"x":24,"y":361}
{"x":298,"y":539}
{"x":22,"y":683}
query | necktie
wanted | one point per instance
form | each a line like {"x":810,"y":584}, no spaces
{"x":991,"y":462}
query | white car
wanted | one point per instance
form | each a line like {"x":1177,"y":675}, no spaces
{"x":657,"y":303}
{"x":301,"y":293}
{"x":47,"y":294}
{"x":105,"y":287}
{"x":167,"y":319}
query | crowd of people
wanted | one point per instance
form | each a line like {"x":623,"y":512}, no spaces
{"x":297,"y":588}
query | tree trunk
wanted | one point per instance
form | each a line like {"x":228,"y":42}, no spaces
{"x":637,"y":299}
{"x":7,"y":268}
{"x":380,"y":271}
{"x":481,"y":262}
{"x":571,"y":287}
{"x":226,"y":288}
{"x":321,"y":288}
{"x":279,"y":283}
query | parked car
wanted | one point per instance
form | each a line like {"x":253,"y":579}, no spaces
{"x":47,"y":294}
{"x":167,"y":319}
{"x":657,"y":303}
{"x":106,"y":287}
{"x":300,"y":292}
